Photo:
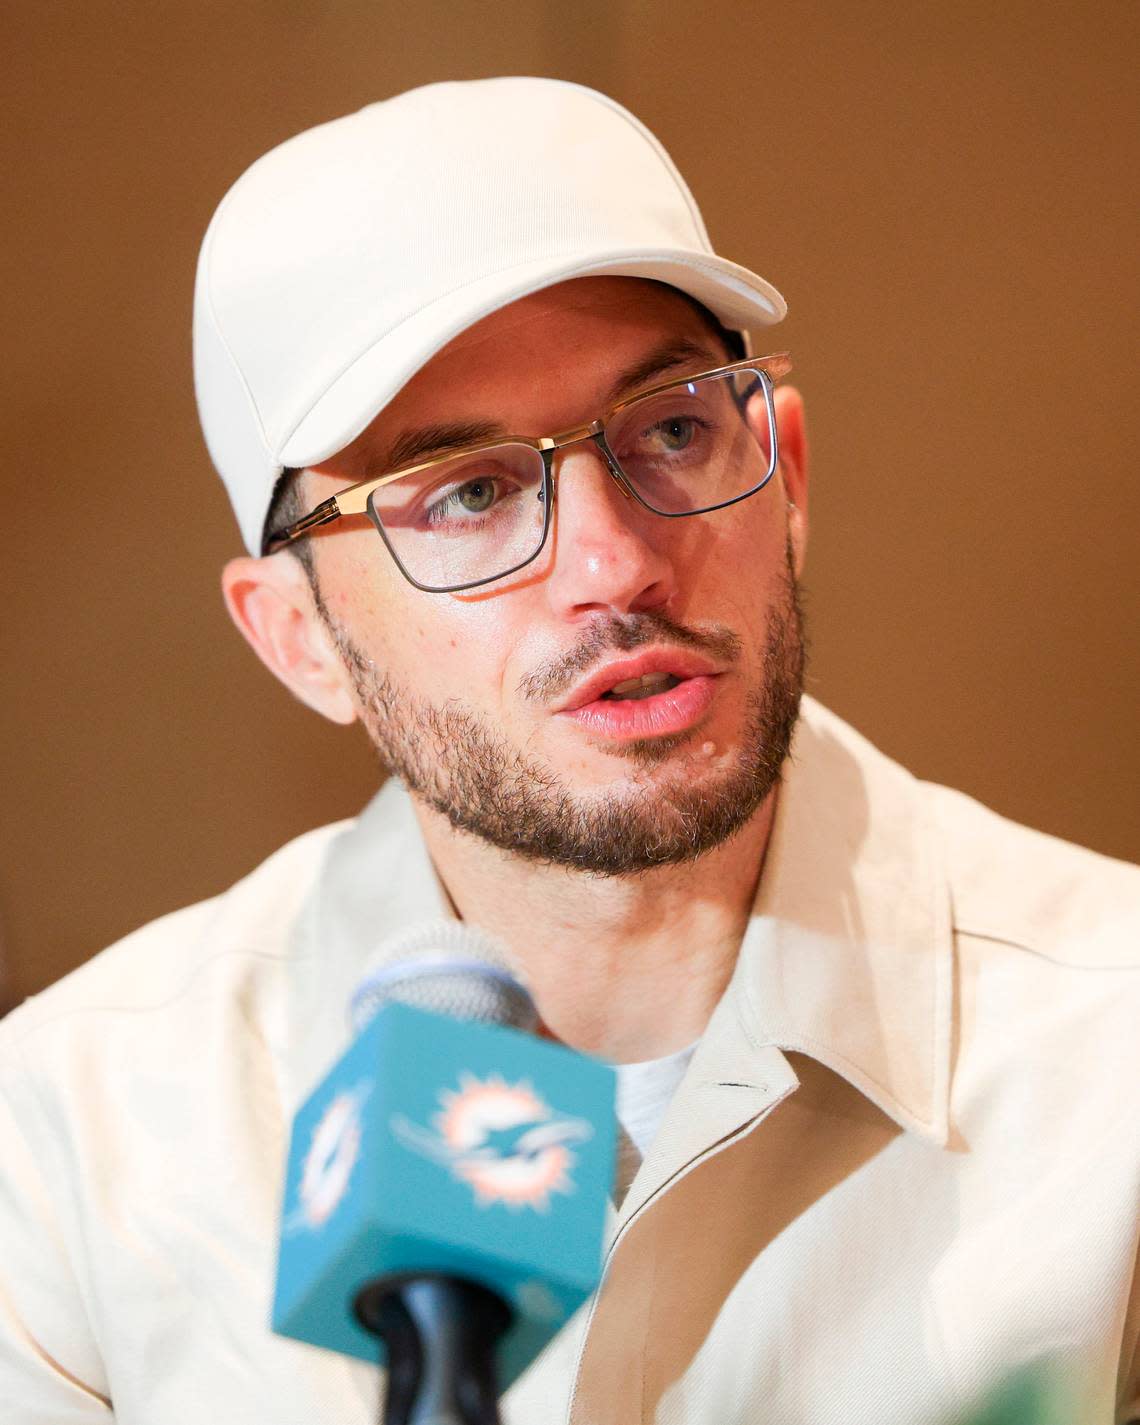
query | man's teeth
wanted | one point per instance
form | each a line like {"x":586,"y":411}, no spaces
{"x":643,"y":687}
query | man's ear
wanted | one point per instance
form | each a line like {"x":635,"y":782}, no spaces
{"x":272,"y":604}
{"x":791,"y":433}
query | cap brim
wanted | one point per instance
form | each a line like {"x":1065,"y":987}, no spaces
{"x":336,"y":416}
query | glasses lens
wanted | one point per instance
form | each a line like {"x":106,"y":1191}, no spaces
{"x":465,"y":520}
{"x":698,"y":444}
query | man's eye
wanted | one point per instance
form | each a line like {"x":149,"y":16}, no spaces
{"x":476,"y":496}
{"x":675,"y":433}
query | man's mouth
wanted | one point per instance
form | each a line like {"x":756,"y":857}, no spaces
{"x":643,"y":687}
{"x":652,"y":673}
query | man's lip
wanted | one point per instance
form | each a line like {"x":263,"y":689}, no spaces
{"x":677,"y":662}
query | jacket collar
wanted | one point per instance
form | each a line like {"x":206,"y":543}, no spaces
{"x":377,"y":879}
{"x":847,"y":957}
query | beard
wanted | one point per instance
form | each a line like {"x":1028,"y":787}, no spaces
{"x":461,"y":766}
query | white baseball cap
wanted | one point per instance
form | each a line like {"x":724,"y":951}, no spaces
{"x":344,"y":259}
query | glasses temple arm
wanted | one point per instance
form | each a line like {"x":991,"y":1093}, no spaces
{"x":775,"y":367}
{"x":327,"y":511}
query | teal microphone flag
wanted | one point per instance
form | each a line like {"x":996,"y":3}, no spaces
{"x":439,"y":1145}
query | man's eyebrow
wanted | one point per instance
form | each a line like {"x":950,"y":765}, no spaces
{"x":440,"y":438}
{"x":435,"y":439}
{"x":659,"y":362}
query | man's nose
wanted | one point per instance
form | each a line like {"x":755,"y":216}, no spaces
{"x":609,"y":551}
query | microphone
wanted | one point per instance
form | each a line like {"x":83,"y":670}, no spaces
{"x":447,"y":1182}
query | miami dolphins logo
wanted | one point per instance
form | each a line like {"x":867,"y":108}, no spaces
{"x":333,"y":1153}
{"x":501,"y":1139}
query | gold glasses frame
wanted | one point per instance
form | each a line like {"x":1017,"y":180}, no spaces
{"x":357,"y":499}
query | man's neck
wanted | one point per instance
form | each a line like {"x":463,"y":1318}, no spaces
{"x":626,"y":967}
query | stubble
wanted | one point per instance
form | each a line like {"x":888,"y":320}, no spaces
{"x":460,"y":765}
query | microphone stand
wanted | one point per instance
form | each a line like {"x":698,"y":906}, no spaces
{"x":440,"y":1333}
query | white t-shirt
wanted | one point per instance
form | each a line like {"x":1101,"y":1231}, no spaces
{"x":644,"y":1092}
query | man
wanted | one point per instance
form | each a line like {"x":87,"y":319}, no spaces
{"x":880,"y":1151}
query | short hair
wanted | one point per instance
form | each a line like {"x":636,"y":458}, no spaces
{"x":285,"y":508}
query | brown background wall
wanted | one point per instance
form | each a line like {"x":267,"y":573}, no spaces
{"x":941,"y":192}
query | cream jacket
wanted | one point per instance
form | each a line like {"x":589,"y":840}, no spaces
{"x":903,"y":1164}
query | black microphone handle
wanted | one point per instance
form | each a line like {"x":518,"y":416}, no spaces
{"x":440,"y":1333}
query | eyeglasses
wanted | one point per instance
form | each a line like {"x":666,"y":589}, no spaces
{"x":483,"y":512}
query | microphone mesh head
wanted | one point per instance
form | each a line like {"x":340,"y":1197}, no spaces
{"x":449,"y":968}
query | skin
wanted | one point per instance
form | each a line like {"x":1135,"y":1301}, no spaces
{"x":628,"y":966}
